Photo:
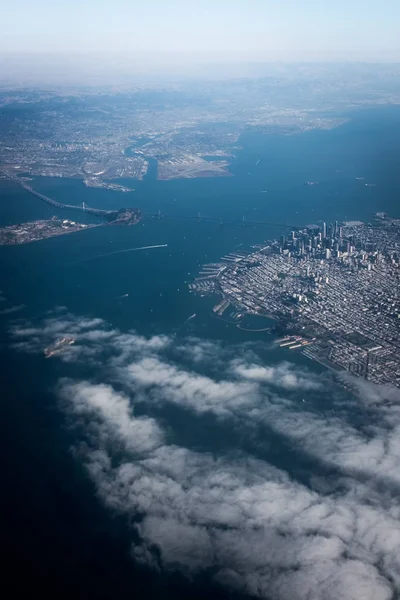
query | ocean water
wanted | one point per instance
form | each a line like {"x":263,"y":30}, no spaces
{"x":57,"y":531}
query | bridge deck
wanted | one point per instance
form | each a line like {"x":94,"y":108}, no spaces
{"x":83,"y":208}
{"x":159,"y":215}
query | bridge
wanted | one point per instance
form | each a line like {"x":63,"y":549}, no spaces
{"x":84,"y":207}
{"x":159,"y":215}
{"x":221,"y":220}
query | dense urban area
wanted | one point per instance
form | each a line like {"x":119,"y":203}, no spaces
{"x":177,"y":130}
{"x":334,"y":289}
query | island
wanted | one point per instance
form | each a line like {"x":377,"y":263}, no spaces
{"x":124,"y":216}
{"x":58,"y":346}
{"x":33,"y":231}
{"x":24,"y":233}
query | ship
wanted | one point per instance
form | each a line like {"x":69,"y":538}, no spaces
{"x":57,"y":347}
{"x":190,"y":318}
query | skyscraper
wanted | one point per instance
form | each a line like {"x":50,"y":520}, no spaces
{"x":324,"y":230}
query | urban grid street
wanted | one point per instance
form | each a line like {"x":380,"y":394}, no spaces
{"x":337,"y":287}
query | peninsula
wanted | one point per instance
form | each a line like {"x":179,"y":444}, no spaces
{"x":335,"y":288}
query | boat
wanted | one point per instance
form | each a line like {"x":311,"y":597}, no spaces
{"x":190,"y":318}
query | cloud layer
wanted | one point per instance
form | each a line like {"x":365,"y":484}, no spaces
{"x":316,"y":517}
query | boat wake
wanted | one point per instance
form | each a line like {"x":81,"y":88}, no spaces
{"x":119,"y":252}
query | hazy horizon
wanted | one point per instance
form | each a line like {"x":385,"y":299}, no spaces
{"x":95,"y":70}
{"x":178,"y":35}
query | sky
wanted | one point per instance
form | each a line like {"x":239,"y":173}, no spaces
{"x":161,"y":32}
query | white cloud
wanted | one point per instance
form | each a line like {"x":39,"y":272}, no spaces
{"x":283,"y":375}
{"x":189,"y":389}
{"x":93,"y":338}
{"x":262,"y":530}
{"x":275,"y":535}
{"x":114,"y":415}
{"x":370,"y":393}
{"x":12,"y":309}
{"x":370,"y":452}
{"x":199,"y":351}
{"x":131,"y":345}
